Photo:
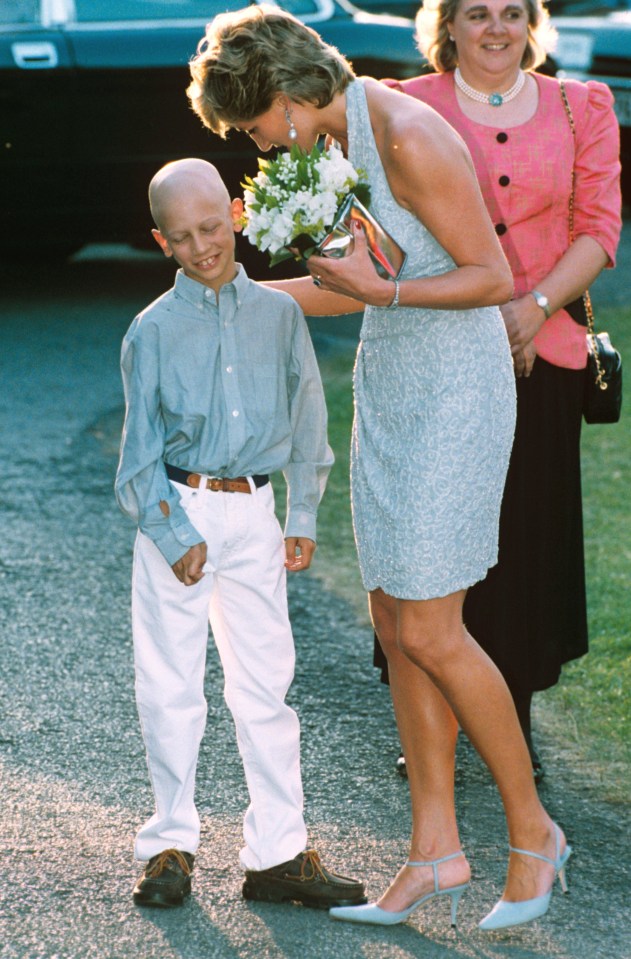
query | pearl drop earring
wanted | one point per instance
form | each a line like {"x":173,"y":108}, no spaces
{"x":452,"y":38}
{"x":293,"y":133}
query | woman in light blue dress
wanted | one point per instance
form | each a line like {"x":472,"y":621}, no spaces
{"x":434,"y":420}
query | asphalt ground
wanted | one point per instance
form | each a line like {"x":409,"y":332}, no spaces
{"x":74,"y":785}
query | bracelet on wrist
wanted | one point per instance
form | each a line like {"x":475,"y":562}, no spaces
{"x":395,"y":298}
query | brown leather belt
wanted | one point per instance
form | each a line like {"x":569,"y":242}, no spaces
{"x":218,"y":484}
{"x":237,"y":485}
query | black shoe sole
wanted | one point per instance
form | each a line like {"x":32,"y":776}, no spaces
{"x":162,"y":901}
{"x":256,"y":893}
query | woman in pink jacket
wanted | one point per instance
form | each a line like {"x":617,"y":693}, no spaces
{"x":529,"y":614}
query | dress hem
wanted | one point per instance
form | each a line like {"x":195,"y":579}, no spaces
{"x":439,"y":592}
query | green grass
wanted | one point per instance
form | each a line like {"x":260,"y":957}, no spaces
{"x":586,"y":716}
{"x":592,"y":700}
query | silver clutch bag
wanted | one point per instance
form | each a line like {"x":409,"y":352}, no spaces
{"x":387,"y":256}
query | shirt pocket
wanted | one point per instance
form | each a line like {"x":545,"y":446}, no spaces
{"x":264,"y":388}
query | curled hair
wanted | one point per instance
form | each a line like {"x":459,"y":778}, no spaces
{"x":250,"y":56}
{"x":432,"y":34}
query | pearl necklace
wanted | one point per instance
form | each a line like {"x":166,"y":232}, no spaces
{"x":494,"y":99}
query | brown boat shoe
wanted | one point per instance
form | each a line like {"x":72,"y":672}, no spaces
{"x":165,"y":880}
{"x":303,"y":879}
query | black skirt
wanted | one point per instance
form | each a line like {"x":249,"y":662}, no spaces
{"x":530,"y":612}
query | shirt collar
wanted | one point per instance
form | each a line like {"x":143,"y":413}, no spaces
{"x":194,"y":292}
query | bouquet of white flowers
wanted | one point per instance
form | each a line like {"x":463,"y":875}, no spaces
{"x":294,"y":199}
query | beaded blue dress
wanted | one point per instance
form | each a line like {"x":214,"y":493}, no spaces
{"x":434,"y":417}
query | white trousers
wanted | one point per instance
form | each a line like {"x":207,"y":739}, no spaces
{"x":243,"y":595}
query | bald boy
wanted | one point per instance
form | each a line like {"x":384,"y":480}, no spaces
{"x":222,"y":389}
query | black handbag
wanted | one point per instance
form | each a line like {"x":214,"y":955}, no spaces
{"x":602,"y":399}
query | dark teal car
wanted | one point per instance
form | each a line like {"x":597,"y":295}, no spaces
{"x":594,"y":43}
{"x":92,"y":102}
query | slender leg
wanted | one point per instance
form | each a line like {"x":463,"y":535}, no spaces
{"x":431,"y":635}
{"x":428,"y":731}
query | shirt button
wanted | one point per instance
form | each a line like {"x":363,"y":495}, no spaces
{"x":504,"y":180}
{"x":500,"y":229}
{"x":208,"y":294}
{"x":502,"y":137}
{"x":235,"y":412}
{"x":228,"y":369}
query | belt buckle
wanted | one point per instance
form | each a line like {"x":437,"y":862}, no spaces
{"x":216,"y":484}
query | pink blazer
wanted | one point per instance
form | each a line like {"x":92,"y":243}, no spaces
{"x":525,"y":178}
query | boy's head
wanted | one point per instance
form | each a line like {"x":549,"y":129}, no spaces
{"x":196,"y":220}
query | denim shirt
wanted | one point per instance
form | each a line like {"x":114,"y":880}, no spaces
{"x":226,"y":387}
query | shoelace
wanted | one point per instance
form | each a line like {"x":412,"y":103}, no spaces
{"x":162,"y":863}
{"x":311,"y":867}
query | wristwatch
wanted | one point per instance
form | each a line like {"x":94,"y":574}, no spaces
{"x":543,"y":302}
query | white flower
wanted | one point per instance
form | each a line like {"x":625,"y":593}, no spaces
{"x":335,"y":171}
{"x":282,"y":225}
{"x":297,"y":195}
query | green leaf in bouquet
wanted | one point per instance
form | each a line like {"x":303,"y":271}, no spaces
{"x":362,"y":192}
{"x":282,"y":255}
{"x":305,"y":244}
{"x":264,"y":164}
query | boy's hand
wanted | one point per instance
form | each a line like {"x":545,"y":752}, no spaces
{"x":299,"y":552}
{"x":188,"y":568}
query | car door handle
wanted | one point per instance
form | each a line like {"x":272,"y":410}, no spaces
{"x":35,"y":56}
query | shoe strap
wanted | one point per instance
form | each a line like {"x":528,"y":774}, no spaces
{"x":556,"y":862}
{"x":435,"y":863}
{"x":534,"y":855}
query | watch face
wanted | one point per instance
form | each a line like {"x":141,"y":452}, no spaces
{"x":542,"y":301}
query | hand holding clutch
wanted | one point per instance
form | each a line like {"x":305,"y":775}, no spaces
{"x":387,"y":256}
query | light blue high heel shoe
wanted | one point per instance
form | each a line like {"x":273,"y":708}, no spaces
{"x":505,"y":914}
{"x":372,"y":913}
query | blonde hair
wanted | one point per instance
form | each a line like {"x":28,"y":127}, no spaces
{"x":248,"y":57}
{"x":432,"y":34}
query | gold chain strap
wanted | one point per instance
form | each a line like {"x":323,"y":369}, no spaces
{"x":587,"y":300}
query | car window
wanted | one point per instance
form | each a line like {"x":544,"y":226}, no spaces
{"x":98,"y":11}
{"x":584,"y":8}
{"x":94,"y":11}
{"x":300,"y":8}
{"x":19,"y":11}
